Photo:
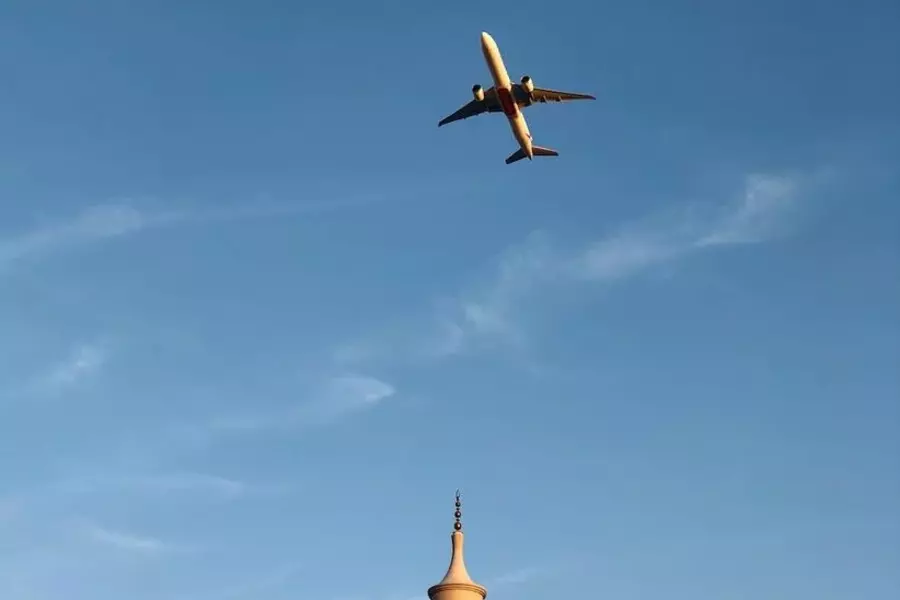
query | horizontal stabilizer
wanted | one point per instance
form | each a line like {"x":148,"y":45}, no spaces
{"x":517,"y":155}
{"x":536,"y":150}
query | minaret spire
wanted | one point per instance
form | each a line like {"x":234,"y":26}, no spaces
{"x":456,"y":584}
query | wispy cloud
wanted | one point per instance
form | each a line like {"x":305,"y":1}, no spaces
{"x":108,"y":221}
{"x":480,"y":315}
{"x":159,"y":483}
{"x":84,"y":361}
{"x":344,"y":395}
{"x":169,"y":485}
{"x":330,"y":400}
{"x":756,"y":215}
{"x":94,"y":223}
{"x":489,"y":313}
{"x":127,"y":541}
{"x":759,"y":214}
{"x":624,"y":254}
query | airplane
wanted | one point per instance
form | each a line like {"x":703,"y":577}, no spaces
{"x":510,"y":98}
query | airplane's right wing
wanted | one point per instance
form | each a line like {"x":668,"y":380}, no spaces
{"x":475,"y":107}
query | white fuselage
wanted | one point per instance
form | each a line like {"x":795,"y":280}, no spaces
{"x":503,"y":88}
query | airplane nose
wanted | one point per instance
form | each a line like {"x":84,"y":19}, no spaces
{"x":486,"y":39}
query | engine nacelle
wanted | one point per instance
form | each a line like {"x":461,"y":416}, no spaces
{"x":478,"y":92}
{"x":528,"y":84}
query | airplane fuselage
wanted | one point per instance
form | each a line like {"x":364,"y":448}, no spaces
{"x":503,"y":87}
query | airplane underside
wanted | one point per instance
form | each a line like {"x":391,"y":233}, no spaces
{"x":510,"y":98}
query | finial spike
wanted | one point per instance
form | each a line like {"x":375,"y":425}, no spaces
{"x":457,"y":526}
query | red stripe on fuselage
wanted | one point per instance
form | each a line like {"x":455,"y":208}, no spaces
{"x":510,"y":109}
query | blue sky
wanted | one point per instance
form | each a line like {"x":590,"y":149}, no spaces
{"x":260,"y":317}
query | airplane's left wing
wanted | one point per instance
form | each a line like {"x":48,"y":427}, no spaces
{"x":545,"y":95}
{"x":475,"y":107}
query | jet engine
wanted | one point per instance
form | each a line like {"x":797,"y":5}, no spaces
{"x":527,"y":84}
{"x":478,"y":92}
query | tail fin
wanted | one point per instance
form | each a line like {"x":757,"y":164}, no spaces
{"x":537,"y":150}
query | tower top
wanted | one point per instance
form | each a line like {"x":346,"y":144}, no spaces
{"x":456,"y":584}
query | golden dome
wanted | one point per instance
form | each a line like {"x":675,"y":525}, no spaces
{"x":456,"y":584}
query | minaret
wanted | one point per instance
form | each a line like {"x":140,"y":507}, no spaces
{"x":456,"y":584}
